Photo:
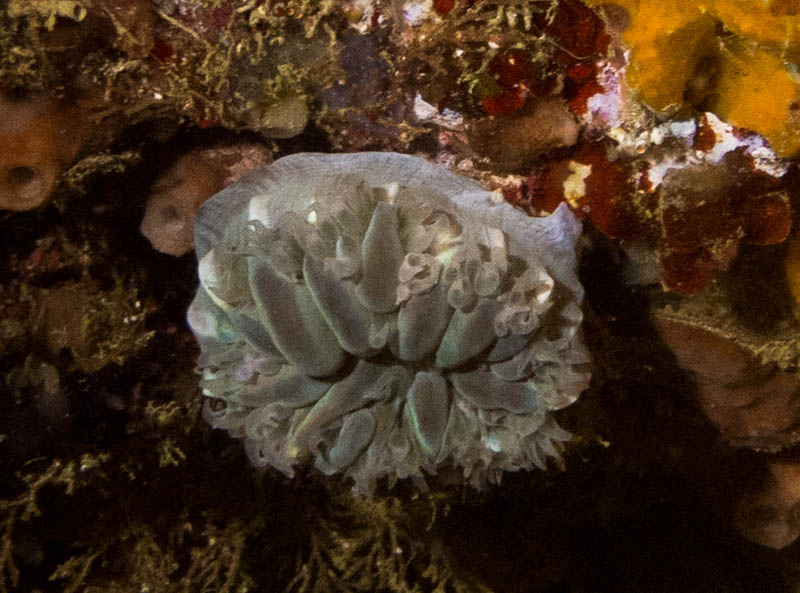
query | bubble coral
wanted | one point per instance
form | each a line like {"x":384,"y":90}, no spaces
{"x":386,"y":318}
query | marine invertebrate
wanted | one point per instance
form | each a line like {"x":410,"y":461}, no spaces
{"x":679,"y":55}
{"x":706,"y":213}
{"x":699,"y":210}
{"x":593,"y":186}
{"x":168,"y":221}
{"x":386,"y":317}
{"x":514,"y":78}
{"x":38,"y":138}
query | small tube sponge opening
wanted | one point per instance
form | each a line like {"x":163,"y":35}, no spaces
{"x":168,"y":221}
{"x":38,"y":138}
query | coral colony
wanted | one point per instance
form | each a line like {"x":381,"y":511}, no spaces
{"x":386,"y":317}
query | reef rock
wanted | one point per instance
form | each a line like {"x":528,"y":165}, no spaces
{"x":752,"y":404}
{"x":771,"y":517}
{"x":512,"y":142}
{"x":386,"y":318}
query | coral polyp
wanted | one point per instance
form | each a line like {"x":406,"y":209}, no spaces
{"x":386,"y":318}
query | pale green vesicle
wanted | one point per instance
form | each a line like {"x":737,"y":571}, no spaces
{"x":354,"y":436}
{"x":486,"y":391}
{"x":381,"y":254}
{"x":428,"y":408}
{"x":421,"y":322}
{"x":294,"y":322}
{"x":340,"y":306}
{"x":209,"y":321}
{"x":288,"y":386}
{"x":366,"y":383}
{"x":468,"y":334}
